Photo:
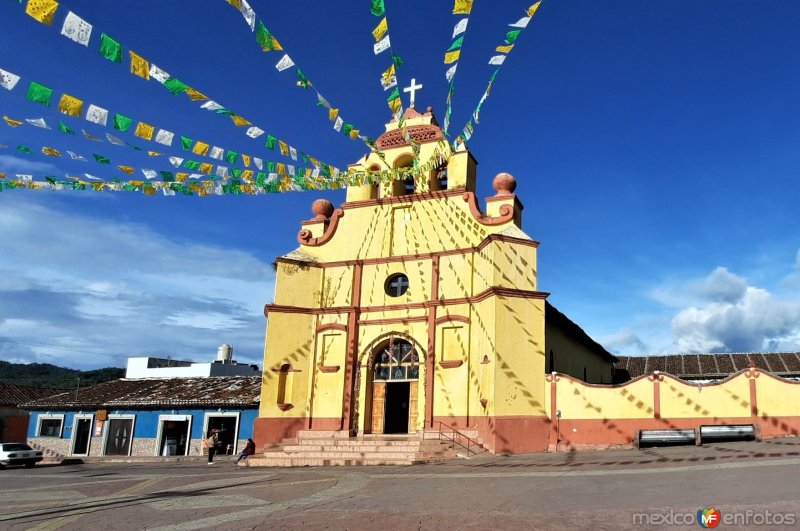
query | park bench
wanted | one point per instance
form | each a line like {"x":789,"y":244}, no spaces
{"x":665,"y":437}
{"x":728,"y":433}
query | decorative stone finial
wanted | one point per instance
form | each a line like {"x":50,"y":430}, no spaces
{"x":430,"y":109}
{"x":504,"y":184}
{"x":322,"y":209}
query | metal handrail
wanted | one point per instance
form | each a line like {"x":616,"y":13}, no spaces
{"x":452,"y":437}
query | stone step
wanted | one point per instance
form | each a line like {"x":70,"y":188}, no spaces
{"x":303,"y":461}
{"x":353,"y":441}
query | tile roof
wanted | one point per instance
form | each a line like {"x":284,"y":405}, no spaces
{"x":708,"y":366}
{"x":11,"y":395}
{"x":241,"y":391}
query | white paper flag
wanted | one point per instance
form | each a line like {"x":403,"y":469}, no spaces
{"x":293,"y":153}
{"x":150,"y":174}
{"x":460,"y":27}
{"x":8,"y":80}
{"x":38,"y":122}
{"x":96,"y":115}
{"x":92,"y":177}
{"x":284,"y":63}
{"x":248,"y":14}
{"x":159,"y":75}
{"x":222,"y":171}
{"x":258,"y":162}
{"x":216,"y":153}
{"x":521,"y":23}
{"x":75,"y":156}
{"x":176,"y":161}
{"x":168,"y":191}
{"x":382,"y":45}
{"x":211,"y":106}
{"x":497,"y":60}
{"x":290,"y":169}
{"x":451,"y":72}
{"x":315,"y":172}
{"x":337,"y":126}
{"x":117,"y":141}
{"x":164,"y":137}
{"x":466,"y":134}
{"x":76,"y":29}
{"x":254,"y":132}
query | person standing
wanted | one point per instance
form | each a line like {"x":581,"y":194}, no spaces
{"x":213,"y":443}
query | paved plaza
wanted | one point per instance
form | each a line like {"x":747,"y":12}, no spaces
{"x":599,"y":490}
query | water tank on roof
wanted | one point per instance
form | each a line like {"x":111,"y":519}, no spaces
{"x":224,"y":354}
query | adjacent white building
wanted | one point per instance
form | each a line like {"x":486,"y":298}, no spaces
{"x":223,"y":365}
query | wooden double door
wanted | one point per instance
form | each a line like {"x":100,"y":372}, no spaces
{"x":394,"y":406}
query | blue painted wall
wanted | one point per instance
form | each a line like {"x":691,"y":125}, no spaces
{"x":146,"y":425}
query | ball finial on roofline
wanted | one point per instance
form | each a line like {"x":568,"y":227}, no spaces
{"x":322,"y":209}
{"x":504,"y":184}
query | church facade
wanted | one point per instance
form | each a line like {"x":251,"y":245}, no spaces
{"x":410,"y":308}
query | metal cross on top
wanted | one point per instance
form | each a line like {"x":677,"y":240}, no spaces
{"x":412,"y":90}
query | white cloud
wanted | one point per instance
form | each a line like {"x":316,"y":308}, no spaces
{"x":624,"y":343}
{"x":74,"y":287}
{"x":12,"y":164}
{"x":721,"y":285}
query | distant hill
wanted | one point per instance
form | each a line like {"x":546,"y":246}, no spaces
{"x":46,"y":375}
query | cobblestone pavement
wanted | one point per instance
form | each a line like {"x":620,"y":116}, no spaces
{"x":750,"y":483}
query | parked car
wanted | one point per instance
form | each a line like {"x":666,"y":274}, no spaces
{"x":18,"y":454}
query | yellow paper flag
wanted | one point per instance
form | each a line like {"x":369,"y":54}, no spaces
{"x":246,"y":159}
{"x":451,"y":57}
{"x":181,"y":176}
{"x":395,"y":104}
{"x":236,"y":3}
{"x":354,"y":133}
{"x":462,"y":7}
{"x":332,"y":114}
{"x":504,"y":49}
{"x":239,"y":121}
{"x":126,"y":169}
{"x":206,"y":167}
{"x":247,"y":175}
{"x":533,"y":8}
{"x":200,"y":148}
{"x":70,"y":105}
{"x":380,"y":30}
{"x":284,"y":147}
{"x":51,"y":152}
{"x":280,"y":168}
{"x":139,"y":65}
{"x":387,"y":75}
{"x":145,"y":131}
{"x":154,"y":153}
{"x":195,"y":95}
{"x":42,"y":10}
{"x":12,"y":122}
{"x":149,"y":190}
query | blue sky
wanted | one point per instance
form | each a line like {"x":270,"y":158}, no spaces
{"x":655,"y":146}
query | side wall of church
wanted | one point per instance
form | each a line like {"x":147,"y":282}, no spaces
{"x":573,"y":358}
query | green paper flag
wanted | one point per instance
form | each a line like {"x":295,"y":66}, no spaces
{"x":266,"y":39}
{"x":122,"y":123}
{"x":394,"y":95}
{"x":271,"y":140}
{"x":397,"y":59}
{"x":191,"y":164}
{"x":110,"y":49}
{"x":175,"y":85}
{"x":24,"y":149}
{"x":302,"y":80}
{"x":230,"y":156}
{"x":456,"y":44}
{"x":64,"y":128}
{"x":236,"y":172}
{"x":167,"y":176}
{"x":346,"y":128}
{"x":186,"y":143}
{"x":101,"y":159}
{"x":271,"y":166}
{"x":304,"y":157}
{"x":378,"y":8}
{"x":39,"y":93}
{"x":511,"y":36}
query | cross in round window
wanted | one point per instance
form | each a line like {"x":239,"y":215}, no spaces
{"x":396,"y":285}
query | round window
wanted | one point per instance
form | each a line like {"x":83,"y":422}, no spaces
{"x":396,"y":285}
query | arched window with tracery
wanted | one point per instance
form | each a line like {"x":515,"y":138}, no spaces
{"x":399,"y":361}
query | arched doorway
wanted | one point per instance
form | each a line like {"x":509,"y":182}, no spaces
{"x":394,"y":388}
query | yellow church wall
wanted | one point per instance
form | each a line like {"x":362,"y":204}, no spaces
{"x":777,"y":398}
{"x":292,"y":285}
{"x":295,"y":349}
{"x":374,"y":278}
{"x":481,"y":373}
{"x":578,"y":401}
{"x":519,"y":358}
{"x":403,"y":313}
{"x":455,"y":276}
{"x":728,"y":399}
{"x":571,"y":357}
{"x":512,"y":265}
{"x":337,"y":287}
{"x":451,"y":386}
{"x":326,"y":397}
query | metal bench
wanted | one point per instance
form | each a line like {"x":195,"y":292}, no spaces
{"x":731,"y":432}
{"x":665,"y":437}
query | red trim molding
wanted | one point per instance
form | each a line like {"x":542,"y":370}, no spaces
{"x":286,"y":367}
{"x":452,"y":318}
{"x":395,"y":320}
{"x":329,"y":368}
{"x":305,"y":238}
{"x":285,"y":407}
{"x":331,"y":326}
{"x":506,"y":212}
{"x":451,"y":364}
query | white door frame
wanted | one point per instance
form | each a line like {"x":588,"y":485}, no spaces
{"x":107,"y":428}
{"x":178,"y":418}
{"x":236,"y":414}
{"x":75,"y":419}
